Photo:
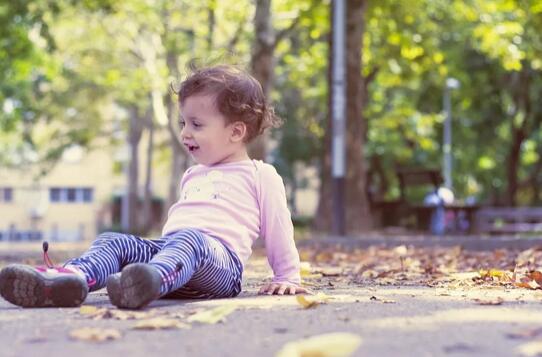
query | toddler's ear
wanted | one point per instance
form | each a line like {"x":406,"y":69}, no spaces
{"x":239,"y":131}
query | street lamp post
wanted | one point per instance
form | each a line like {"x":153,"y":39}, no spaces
{"x":451,"y":83}
{"x":338,"y":116}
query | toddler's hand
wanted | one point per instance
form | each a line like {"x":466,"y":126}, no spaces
{"x":282,"y":288}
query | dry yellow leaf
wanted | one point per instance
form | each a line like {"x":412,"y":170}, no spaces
{"x":401,"y":250}
{"x":131,"y":315}
{"x":497,"y":301}
{"x":305,"y":268}
{"x":94,"y":334}
{"x":494,"y":273}
{"x":337,"y":344}
{"x":159,"y":323}
{"x":212,"y":316}
{"x":308,"y":301}
{"x":530,"y":349}
{"x":88,"y":310}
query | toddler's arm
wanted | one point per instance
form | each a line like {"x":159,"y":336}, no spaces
{"x":277,"y":228}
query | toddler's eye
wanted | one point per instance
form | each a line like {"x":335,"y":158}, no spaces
{"x":182,"y":123}
{"x":197,"y":125}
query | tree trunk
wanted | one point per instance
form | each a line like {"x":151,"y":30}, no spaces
{"x":322,"y":220}
{"x":134,"y":136}
{"x":262,"y":63}
{"x":211,"y":21}
{"x":178,"y":157}
{"x":147,"y":200}
{"x":357,"y":206}
{"x":519,"y":134}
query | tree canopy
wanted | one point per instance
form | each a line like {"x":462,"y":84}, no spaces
{"x":73,"y":70}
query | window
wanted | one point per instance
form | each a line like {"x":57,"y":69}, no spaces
{"x":87,"y":195}
{"x":14,"y":235}
{"x":71,"y":194}
{"x":8,"y":194}
{"x":54,"y":195}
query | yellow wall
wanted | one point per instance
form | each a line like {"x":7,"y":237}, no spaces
{"x":31,"y":209}
{"x":77,"y":169}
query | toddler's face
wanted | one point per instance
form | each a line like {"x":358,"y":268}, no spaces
{"x":205,"y":132}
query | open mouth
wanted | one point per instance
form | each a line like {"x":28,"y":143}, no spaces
{"x":191,"y":148}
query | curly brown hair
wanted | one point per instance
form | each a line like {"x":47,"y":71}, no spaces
{"x":239,"y":97}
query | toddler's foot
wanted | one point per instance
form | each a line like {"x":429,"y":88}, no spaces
{"x":135,"y":287}
{"x":28,"y":286}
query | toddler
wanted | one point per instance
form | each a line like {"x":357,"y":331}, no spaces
{"x":226,"y":202}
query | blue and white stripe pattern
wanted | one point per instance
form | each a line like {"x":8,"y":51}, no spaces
{"x":192,"y":264}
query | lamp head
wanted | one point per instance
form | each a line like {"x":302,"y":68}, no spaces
{"x":452,"y":83}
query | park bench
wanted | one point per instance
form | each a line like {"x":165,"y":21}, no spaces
{"x":418,"y":214}
{"x":392,"y":212}
{"x":416,"y":177}
{"x":508,"y":220}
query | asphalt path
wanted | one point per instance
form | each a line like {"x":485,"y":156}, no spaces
{"x":389,"y":320}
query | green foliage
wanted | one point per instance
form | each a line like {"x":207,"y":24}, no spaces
{"x":71,"y":68}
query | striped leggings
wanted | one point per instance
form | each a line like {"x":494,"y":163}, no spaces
{"x":192,"y":264}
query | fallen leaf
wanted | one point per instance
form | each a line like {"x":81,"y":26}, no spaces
{"x":385,"y":301}
{"x":499,"y":275}
{"x":401,"y":250}
{"x":488,"y":302}
{"x":131,"y":315}
{"x":89,"y":310}
{"x":308,"y":301}
{"x":530,"y":349}
{"x":104,"y":313}
{"x":159,"y":323}
{"x":525,"y":333}
{"x":212,"y":316}
{"x":527,"y":283}
{"x":331,"y":271}
{"x":337,"y":344}
{"x":95,"y":334}
{"x":536,"y":276}
{"x":305,"y":268}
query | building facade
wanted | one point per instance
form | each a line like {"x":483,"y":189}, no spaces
{"x":70,"y":203}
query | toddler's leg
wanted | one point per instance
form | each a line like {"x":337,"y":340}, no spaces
{"x":204,"y":264}
{"x":110,"y":252}
{"x":200,"y":263}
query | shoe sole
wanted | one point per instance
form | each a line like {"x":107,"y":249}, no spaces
{"x":23,"y":286}
{"x":138,"y":285}
{"x":113,"y":289}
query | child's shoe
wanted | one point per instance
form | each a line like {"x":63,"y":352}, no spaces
{"x":28,"y":286}
{"x":48,"y":286}
{"x":135,"y":287}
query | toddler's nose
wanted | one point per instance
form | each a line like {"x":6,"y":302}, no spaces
{"x":185,"y":133}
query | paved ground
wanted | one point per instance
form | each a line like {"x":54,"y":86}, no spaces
{"x":392,"y":321}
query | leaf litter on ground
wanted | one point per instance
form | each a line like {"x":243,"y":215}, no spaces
{"x":439,"y":267}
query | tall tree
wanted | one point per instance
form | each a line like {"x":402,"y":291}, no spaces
{"x":262,"y":61}
{"x":356,"y":204}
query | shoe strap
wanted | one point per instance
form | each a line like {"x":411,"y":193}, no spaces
{"x":49,"y":264}
{"x":170,"y":277}
{"x":46,"y":260}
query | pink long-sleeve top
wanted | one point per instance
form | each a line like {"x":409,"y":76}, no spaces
{"x":237,"y":203}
